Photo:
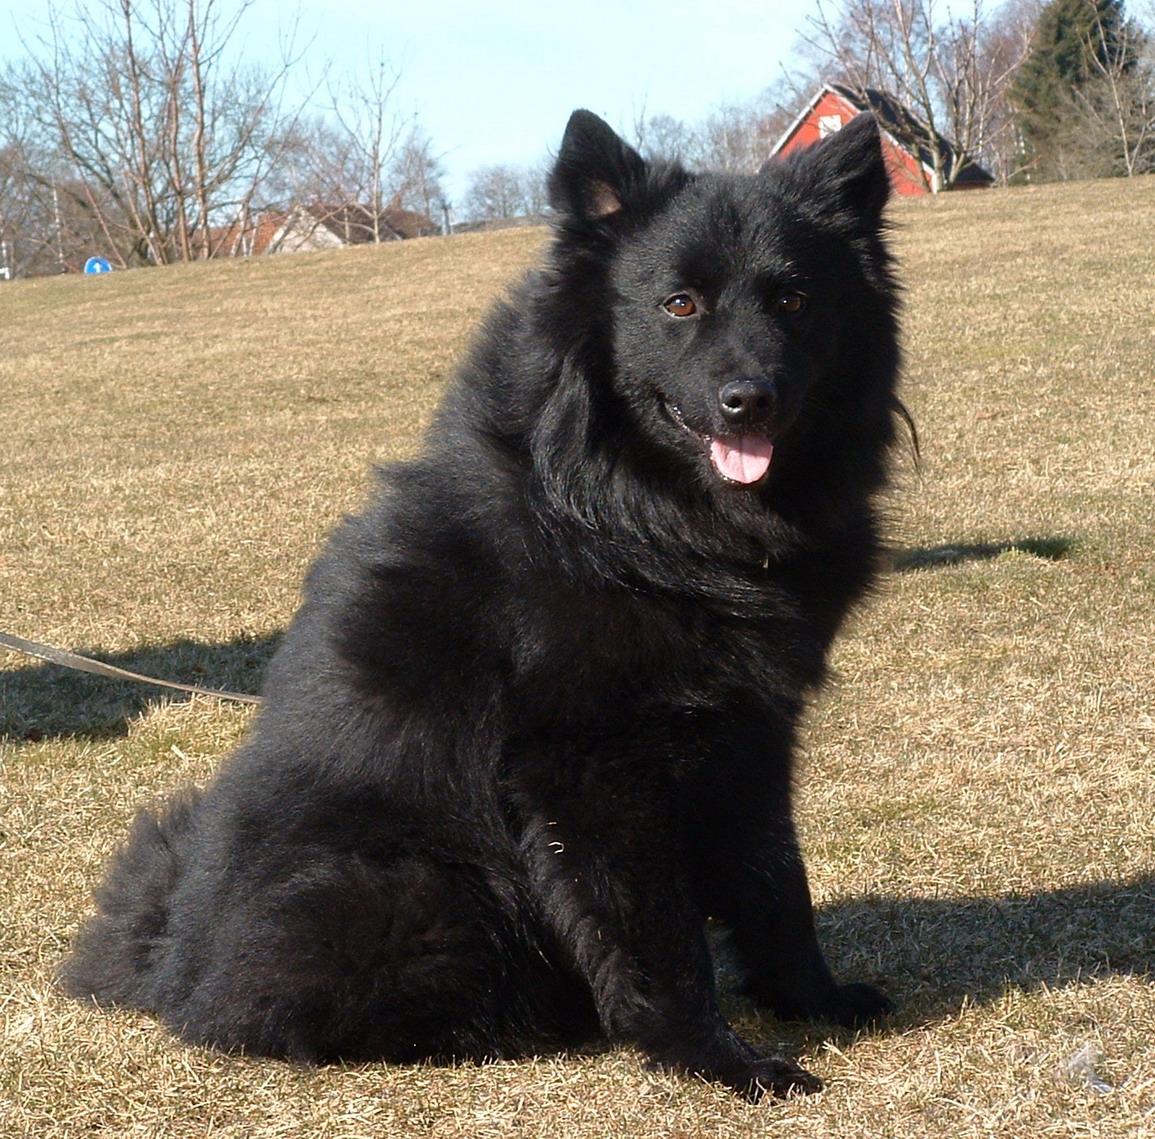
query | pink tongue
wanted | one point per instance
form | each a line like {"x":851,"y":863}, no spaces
{"x":741,"y":458}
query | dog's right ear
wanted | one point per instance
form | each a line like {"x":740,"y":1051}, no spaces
{"x":596,"y":174}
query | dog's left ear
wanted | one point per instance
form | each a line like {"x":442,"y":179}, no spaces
{"x":846,"y":175}
{"x":596,"y":174}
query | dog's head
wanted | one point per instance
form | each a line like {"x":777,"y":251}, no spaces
{"x":737,"y":315}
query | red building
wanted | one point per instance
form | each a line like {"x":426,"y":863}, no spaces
{"x":906,"y":141}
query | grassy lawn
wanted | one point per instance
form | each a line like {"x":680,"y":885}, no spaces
{"x":978,"y":801}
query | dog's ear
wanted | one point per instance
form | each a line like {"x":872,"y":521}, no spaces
{"x":846,"y":175}
{"x":596,"y":174}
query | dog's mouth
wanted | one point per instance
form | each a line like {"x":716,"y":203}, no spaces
{"x":743,"y":459}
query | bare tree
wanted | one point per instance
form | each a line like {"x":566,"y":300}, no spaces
{"x":735,"y":136}
{"x":151,"y":132}
{"x":365,"y":135}
{"x":979,"y":54}
{"x":23,"y":235}
{"x":503,"y":191}
{"x":46,"y":221}
{"x":365,"y":159}
{"x":663,"y":136}
{"x":26,"y":224}
{"x":416,"y":175}
{"x":889,"y":45}
{"x":739,"y":136}
{"x":536,"y":184}
{"x":1117,"y":104}
{"x":941,"y":62}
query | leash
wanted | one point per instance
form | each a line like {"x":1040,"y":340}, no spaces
{"x":99,"y":668}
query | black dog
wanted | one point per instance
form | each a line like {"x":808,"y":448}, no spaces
{"x":534,"y":721}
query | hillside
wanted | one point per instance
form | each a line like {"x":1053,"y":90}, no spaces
{"x":978,"y":796}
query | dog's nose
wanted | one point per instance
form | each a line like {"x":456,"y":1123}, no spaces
{"x":746,"y":403}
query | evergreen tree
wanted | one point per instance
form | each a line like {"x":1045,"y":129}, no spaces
{"x":1074,"y":42}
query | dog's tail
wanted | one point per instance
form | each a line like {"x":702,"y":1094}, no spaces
{"x":116,"y":953}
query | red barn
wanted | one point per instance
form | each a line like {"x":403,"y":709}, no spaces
{"x":907,"y":142}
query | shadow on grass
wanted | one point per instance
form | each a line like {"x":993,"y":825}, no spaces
{"x":44,"y":700}
{"x":932,"y":557}
{"x":933,"y":955}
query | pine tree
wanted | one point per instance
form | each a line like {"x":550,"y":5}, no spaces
{"x":1074,"y":41}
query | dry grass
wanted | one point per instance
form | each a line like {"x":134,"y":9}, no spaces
{"x":977,"y":803}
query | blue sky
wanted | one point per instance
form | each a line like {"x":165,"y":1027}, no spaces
{"x":494,"y":81}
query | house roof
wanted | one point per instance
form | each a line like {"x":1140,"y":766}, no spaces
{"x":253,"y":236}
{"x":272,"y":231}
{"x":904,"y":127}
{"x":355,"y":224}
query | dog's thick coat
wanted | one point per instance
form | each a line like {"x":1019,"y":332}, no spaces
{"x":534,"y":721}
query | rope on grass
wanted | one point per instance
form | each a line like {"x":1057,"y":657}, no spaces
{"x":99,"y":668}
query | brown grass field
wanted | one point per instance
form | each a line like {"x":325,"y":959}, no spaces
{"x":977,"y":796}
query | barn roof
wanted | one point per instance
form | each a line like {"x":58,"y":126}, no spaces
{"x":905,"y":128}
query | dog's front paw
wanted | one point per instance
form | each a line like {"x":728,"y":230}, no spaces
{"x":731,"y":1061}
{"x":851,"y":1006}
{"x":855,"y":1005}
{"x":774,"y":1076}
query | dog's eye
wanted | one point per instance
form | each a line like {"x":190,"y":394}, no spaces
{"x":790,"y":303}
{"x":680,"y":305}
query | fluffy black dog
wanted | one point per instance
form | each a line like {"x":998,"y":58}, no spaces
{"x":534,"y":721}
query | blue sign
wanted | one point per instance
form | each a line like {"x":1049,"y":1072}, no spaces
{"x":97,"y":265}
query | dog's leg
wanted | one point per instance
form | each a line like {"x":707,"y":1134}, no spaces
{"x":747,"y":865}
{"x":772,"y":923}
{"x":603,"y":861}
